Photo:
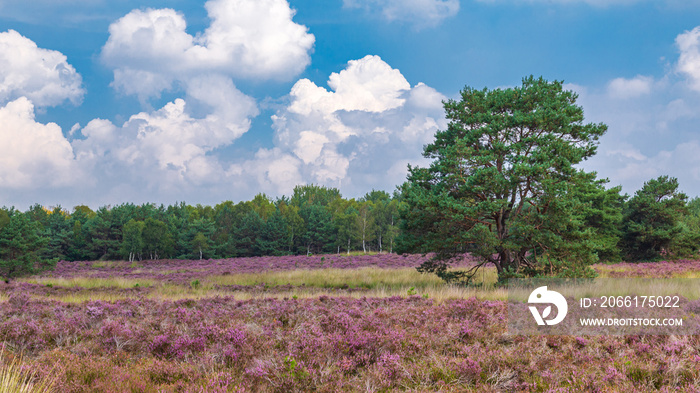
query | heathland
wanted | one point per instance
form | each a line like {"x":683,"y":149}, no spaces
{"x":248,"y":306}
{"x":312,"y":323}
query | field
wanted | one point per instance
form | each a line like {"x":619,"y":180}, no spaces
{"x":319,"y":323}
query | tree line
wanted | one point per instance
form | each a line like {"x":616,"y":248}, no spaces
{"x":657,"y":222}
{"x":315,"y":219}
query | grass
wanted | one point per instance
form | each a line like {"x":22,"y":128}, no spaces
{"x":685,"y":287}
{"x":437,"y":293}
{"x":91,"y":283}
{"x":367,"y":277}
{"x":354,"y":253}
{"x":14,"y":379}
{"x":174,"y":293}
{"x":356,"y":283}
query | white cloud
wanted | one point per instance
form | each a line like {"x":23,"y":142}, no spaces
{"x":150,"y":50}
{"x":43,"y":76}
{"x":689,"y":60}
{"x":633,"y":168}
{"x":360,"y":132}
{"x":272,"y":171}
{"x":630,"y":88}
{"x":648,"y":137}
{"x":32,"y":154}
{"x":368,"y":84}
{"x":171,"y":148}
{"x":420,"y":12}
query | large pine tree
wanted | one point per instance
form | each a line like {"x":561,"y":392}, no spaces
{"x":502,"y":182}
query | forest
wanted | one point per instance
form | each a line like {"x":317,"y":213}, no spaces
{"x":314,"y":219}
{"x":657,"y":222}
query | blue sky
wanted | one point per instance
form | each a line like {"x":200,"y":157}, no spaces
{"x":163,"y":101}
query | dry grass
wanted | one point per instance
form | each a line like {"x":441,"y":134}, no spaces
{"x":356,"y":283}
{"x":13,"y":379}
{"x":685,"y":287}
{"x":437,"y":293}
{"x":81,"y":297}
{"x":116,"y":264}
{"x":91,"y":282}
{"x":367,"y":277}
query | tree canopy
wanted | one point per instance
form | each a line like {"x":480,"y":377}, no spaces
{"x":653,"y":220}
{"x":502,"y":182}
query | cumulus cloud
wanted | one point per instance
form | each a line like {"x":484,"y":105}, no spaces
{"x":170,"y":148}
{"x":689,"y":60}
{"x":33,"y":154}
{"x":43,"y":76}
{"x":358,"y":134}
{"x":151,"y":49}
{"x":420,"y":12}
{"x":630,"y":88}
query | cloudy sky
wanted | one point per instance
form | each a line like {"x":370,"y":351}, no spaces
{"x":105,"y":102}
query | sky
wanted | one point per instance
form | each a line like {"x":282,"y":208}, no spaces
{"x":108,"y":102}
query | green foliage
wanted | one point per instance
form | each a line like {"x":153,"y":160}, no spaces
{"x":4,"y":218}
{"x":262,"y":205}
{"x":200,"y":242}
{"x":58,"y":230}
{"x":157,"y":240}
{"x":688,"y":240}
{"x":196,"y":238}
{"x":21,"y":244}
{"x":313,"y":195}
{"x":502,"y":184}
{"x":601,"y":211}
{"x":365,"y":224}
{"x":273,"y":237}
{"x":132,"y":239}
{"x":653,"y":221}
{"x":247,"y":233}
{"x":104,"y":234}
{"x":317,"y":235}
